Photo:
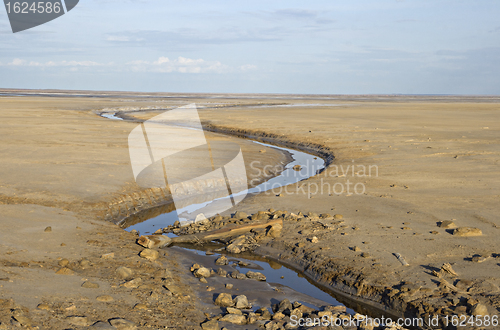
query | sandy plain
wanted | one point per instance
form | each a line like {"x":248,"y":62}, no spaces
{"x":436,"y":158}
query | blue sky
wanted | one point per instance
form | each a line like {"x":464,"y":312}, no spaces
{"x":319,"y":47}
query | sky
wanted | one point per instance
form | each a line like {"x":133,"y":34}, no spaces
{"x":222,"y":46}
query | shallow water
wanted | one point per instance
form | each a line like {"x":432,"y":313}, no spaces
{"x":310,"y":165}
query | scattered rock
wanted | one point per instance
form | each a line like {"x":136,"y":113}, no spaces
{"x":108,"y":255}
{"x":210,"y":325}
{"x":102,"y":325}
{"x":221,"y":272}
{"x":447,"y":224}
{"x":65,"y":271}
{"x":122,"y":324}
{"x":90,"y":285}
{"x":203,"y":280}
{"x":224,"y":300}
{"x":22,"y":318}
{"x":149,"y":254}
{"x":278,"y":316}
{"x":229,"y":286}
{"x":256,"y":275}
{"x":232,"y":310}
{"x":284,"y":306}
{"x":48,"y":229}
{"x":259,"y":216}
{"x":202,"y":272}
{"x":44,"y":307}
{"x":338,"y":217}
{"x":314,"y":239}
{"x":104,"y":298}
{"x":275,"y":230}
{"x":235,"y":319}
{"x":63,"y":262}
{"x":297,"y":168}
{"x":241,"y":302}
{"x":132,"y":284}
{"x":221,"y":261}
{"x":80,"y":321}
{"x":124,"y":272}
{"x":84,"y":263}
{"x":480,"y":259}
{"x":467,"y":232}
{"x":479,"y":309}
{"x":140,"y":307}
{"x":240,"y":215}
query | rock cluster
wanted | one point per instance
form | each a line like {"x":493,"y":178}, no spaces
{"x":286,"y":315}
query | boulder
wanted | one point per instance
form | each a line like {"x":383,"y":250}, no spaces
{"x":241,"y":302}
{"x":256,"y":275}
{"x":202,"y":272}
{"x":224,"y":300}
{"x":235,"y":319}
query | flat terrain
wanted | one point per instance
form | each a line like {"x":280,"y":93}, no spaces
{"x":432,"y":159}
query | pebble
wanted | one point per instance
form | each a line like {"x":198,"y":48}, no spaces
{"x":235,"y":319}
{"x":338,"y":216}
{"x":203,"y":280}
{"x":90,"y":285}
{"x":63,"y":262}
{"x":80,"y":321}
{"x":85,"y":263}
{"x":314,"y":240}
{"x":229,"y":286}
{"x":221,"y":261}
{"x":232,"y":310}
{"x":132,"y":284}
{"x":48,"y":229}
{"x":124,"y":272}
{"x":221,"y":272}
{"x":140,"y":307}
{"x":210,"y":325}
{"x":256,"y":275}
{"x":241,"y":302}
{"x":240,"y":215}
{"x":65,"y":271}
{"x":122,"y":324}
{"x":149,"y":254}
{"x":224,"y":300}
{"x":446,"y":224}
{"x":202,"y":272}
{"x":104,"y":298}
{"x":43,"y":307}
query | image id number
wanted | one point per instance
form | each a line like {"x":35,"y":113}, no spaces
{"x":35,"y":8}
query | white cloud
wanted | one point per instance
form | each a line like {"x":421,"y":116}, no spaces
{"x":17,"y":62}
{"x":161,"y":65}
{"x":181,"y":64}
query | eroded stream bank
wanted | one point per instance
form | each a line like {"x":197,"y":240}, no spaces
{"x":302,"y":166}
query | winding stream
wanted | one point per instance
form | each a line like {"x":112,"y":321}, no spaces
{"x":302,"y":167}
